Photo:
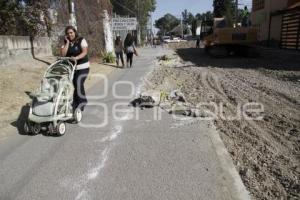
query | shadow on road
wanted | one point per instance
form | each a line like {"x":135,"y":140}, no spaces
{"x":19,"y":123}
{"x":112,"y":65}
{"x":269,"y":59}
{"x":43,"y":61}
{"x":23,"y":116}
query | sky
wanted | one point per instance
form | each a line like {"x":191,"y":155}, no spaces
{"x":175,"y":7}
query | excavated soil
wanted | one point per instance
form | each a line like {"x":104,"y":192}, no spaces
{"x":265,"y":148}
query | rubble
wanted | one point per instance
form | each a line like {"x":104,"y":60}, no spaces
{"x":143,"y":102}
{"x":266,"y":152}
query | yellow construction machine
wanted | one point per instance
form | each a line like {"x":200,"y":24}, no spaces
{"x":221,"y":40}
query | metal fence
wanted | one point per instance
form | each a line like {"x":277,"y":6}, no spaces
{"x":290,"y":29}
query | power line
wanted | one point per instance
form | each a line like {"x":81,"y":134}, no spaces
{"x":123,"y":6}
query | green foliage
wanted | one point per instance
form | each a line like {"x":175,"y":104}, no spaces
{"x":108,"y":57}
{"x":29,"y":20}
{"x":167,"y":23}
{"x":7,"y":16}
{"x":207,"y":16}
{"x":200,"y":17}
{"x":164,"y":96}
{"x":224,"y":8}
{"x":243,"y":14}
{"x":187,"y":17}
{"x":135,"y":8}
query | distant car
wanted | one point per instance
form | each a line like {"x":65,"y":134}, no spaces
{"x":166,"y":39}
{"x":190,"y":37}
{"x":174,"y":40}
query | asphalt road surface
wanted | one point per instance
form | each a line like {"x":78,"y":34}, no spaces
{"x":137,"y":154}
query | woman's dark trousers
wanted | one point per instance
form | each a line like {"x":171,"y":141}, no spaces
{"x":129,"y":58}
{"x":79,"y":98}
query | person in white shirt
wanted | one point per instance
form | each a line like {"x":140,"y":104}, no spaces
{"x":77,"y":47}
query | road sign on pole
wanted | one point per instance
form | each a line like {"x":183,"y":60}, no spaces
{"x":124,"y":24}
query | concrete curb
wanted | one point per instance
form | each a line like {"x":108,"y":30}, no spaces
{"x":239,"y":191}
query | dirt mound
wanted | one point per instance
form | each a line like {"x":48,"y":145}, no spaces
{"x":186,"y":44}
{"x":265,"y":150}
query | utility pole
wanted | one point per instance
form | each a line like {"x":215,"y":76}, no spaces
{"x":236,"y":12}
{"x":70,"y":6}
{"x":72,"y":19}
{"x":151,"y":22}
{"x":139,"y":27}
{"x":181,"y":25}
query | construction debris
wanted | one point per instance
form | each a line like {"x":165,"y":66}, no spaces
{"x":143,"y":102}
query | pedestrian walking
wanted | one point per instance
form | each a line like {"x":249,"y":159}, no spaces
{"x":162,"y":42}
{"x":119,"y":50}
{"x":198,"y":42}
{"x":129,"y":49}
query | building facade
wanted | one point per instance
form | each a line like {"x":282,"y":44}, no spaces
{"x":260,"y":18}
{"x":274,"y":18}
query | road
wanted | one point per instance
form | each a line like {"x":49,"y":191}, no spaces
{"x":134,"y":156}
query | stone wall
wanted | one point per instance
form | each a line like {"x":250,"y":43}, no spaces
{"x":18,"y":48}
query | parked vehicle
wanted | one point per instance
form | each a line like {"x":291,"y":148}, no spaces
{"x":220,"y":40}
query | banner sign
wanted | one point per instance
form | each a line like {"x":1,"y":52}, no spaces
{"x":124,"y":24}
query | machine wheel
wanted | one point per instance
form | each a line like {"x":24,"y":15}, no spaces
{"x":61,"y":128}
{"x":77,"y":115}
{"x":36,"y":128}
{"x":26,"y":128}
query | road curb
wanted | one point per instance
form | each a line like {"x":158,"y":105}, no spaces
{"x":238,"y":191}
